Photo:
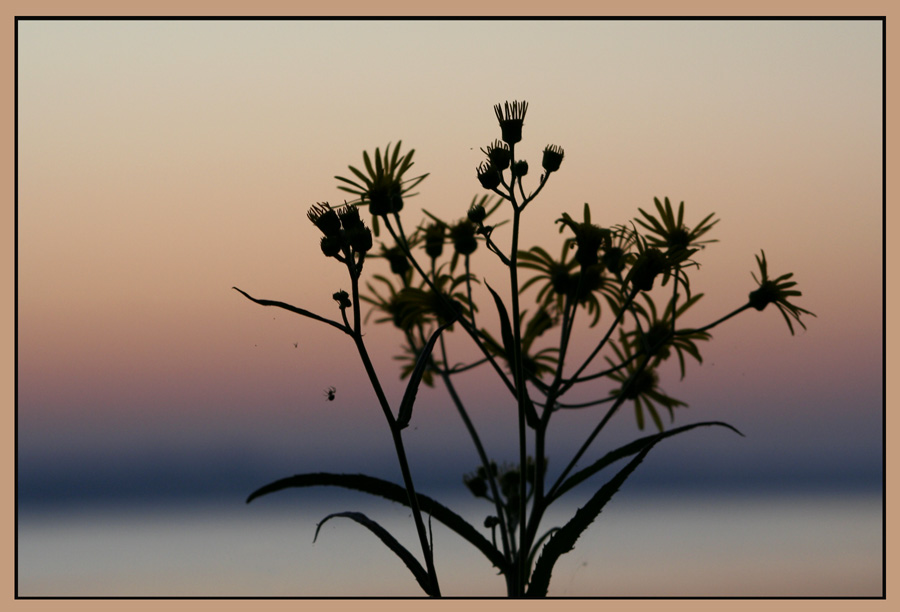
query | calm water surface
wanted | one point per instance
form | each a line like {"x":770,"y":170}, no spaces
{"x":806,"y":546}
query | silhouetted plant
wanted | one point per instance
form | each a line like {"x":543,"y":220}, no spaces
{"x":607,"y":272}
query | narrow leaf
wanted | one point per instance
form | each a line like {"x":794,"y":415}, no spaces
{"x":564,"y":540}
{"x":509,"y":347}
{"x":390,"y":541}
{"x":395,"y":493}
{"x":369,"y":164}
{"x":626,"y":451}
{"x":505,"y":327}
{"x":412,"y":387}
{"x":361,"y":176}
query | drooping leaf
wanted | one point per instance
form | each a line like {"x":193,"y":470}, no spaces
{"x":412,"y":386}
{"x":390,"y":541}
{"x":563,"y":540}
{"x":395,"y":493}
{"x":626,"y":451}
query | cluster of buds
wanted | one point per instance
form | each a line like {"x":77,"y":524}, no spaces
{"x":345,"y":233}
{"x":499,"y":153}
{"x":508,"y":478}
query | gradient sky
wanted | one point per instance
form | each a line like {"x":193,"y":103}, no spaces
{"x":163,"y":162}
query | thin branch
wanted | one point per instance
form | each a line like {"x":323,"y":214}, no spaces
{"x":344,"y":328}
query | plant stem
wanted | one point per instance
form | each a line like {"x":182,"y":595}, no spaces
{"x":485,"y":462}
{"x":473,"y":333}
{"x":519,"y":377}
{"x":684,"y":332}
{"x":396,"y":434}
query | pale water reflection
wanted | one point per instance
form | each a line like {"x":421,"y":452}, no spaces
{"x":809,"y":546}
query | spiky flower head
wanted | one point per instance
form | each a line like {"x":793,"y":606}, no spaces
{"x":325,"y":218}
{"x":553,"y":156}
{"x":488,"y":175}
{"x":511,"y":118}
{"x":498,"y":154}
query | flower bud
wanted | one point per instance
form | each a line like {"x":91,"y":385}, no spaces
{"x":553,"y":156}
{"x":359,"y":237}
{"x":463,"y":236}
{"x":477,"y":214}
{"x":434,"y":240}
{"x":342,"y":298}
{"x":332,"y":245}
{"x":498,"y":154}
{"x":520,"y":168}
{"x":349,"y":216}
{"x":476,"y":485}
{"x":325,"y":218}
{"x":488,"y":175}
{"x":399,"y":264}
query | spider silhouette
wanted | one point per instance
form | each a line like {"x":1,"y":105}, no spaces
{"x":329,"y":393}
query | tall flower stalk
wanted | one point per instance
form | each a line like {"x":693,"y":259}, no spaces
{"x":615,"y":274}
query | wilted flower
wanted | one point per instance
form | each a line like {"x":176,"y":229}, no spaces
{"x":511,"y":118}
{"x":553,"y":156}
